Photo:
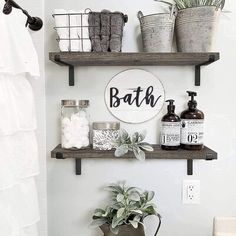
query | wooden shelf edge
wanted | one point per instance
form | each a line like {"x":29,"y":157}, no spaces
{"x":132,"y":58}
{"x":158,"y":153}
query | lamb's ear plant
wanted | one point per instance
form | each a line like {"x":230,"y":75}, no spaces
{"x":134,"y":143}
{"x":183,"y":4}
{"x":128,"y":206}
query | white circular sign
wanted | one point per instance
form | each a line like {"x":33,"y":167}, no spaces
{"x":134,"y":96}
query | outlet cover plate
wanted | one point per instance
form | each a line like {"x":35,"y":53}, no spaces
{"x":191,"y":192}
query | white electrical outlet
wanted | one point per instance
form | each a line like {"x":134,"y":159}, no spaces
{"x":191,"y":192}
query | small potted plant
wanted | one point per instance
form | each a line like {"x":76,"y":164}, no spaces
{"x":124,"y":215}
{"x":134,"y":143}
{"x":196,"y":24}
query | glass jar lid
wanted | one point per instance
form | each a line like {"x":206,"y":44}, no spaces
{"x":83,"y":103}
{"x":69,"y":103}
{"x":106,"y":125}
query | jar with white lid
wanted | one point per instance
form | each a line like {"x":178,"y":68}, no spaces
{"x":74,"y":124}
{"x":105,"y":135}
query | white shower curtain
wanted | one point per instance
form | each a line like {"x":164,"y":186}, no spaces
{"x":19,"y":211}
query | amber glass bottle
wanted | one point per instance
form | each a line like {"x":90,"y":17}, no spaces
{"x":170,"y":128}
{"x":192,"y":126}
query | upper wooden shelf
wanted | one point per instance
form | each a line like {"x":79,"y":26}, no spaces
{"x":88,"y":153}
{"x":132,"y":58}
{"x":73,"y":59}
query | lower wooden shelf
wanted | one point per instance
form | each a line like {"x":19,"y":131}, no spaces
{"x":89,"y":153}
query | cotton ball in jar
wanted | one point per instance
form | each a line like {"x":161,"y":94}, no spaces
{"x":67,"y":145}
{"x":84,"y":121}
{"x":85,"y":142}
{"x":82,"y":114}
{"x":65,"y":122}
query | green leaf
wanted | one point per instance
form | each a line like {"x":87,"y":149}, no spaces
{"x":137,"y":211}
{"x":135,"y":137}
{"x":132,"y":189}
{"x":134,"y":223}
{"x":150,"y":195}
{"x":99,"y":212}
{"x":139,"y":154}
{"x":114,"y":230}
{"x":134,"y":196}
{"x":120,"y":197}
{"x":98,"y":222}
{"x":146,"y":147}
{"x":121,"y":150}
{"x":150,"y":210}
{"x":120,"y":212}
{"x":116,"y":221}
{"x":137,"y":218}
{"x":142,"y":136}
{"x":114,"y":188}
{"x":124,"y":137}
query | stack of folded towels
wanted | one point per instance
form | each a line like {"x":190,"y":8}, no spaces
{"x":93,"y":31}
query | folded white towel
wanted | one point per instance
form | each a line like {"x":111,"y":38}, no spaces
{"x":84,"y":32}
{"x":62,"y":21}
{"x":224,"y":226}
{"x":74,"y":36}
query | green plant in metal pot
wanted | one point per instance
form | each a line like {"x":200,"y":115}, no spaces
{"x":196,"y":23}
{"x":134,"y":143}
{"x":183,"y":4}
{"x":128,"y":207}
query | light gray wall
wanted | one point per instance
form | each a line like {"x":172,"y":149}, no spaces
{"x":71,"y":199}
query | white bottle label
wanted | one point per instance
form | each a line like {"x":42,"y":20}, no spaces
{"x":192,"y":131}
{"x":170,"y":133}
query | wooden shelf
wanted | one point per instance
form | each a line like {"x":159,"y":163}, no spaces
{"x":158,"y":153}
{"x":73,"y":59}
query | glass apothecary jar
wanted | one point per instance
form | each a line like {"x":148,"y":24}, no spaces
{"x":105,"y":135}
{"x":74,"y":124}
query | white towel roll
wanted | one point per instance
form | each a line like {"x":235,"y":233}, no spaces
{"x":85,"y":42}
{"x":62,"y":20}
{"x":74,"y":36}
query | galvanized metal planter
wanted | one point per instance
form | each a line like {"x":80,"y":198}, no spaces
{"x":125,"y":230}
{"x":157,"y":31}
{"x":195,"y":28}
{"x":129,"y":230}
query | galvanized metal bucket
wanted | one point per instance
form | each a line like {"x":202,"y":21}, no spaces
{"x":195,"y":28}
{"x":157,"y":31}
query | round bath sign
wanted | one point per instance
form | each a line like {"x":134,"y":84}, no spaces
{"x":134,"y":96}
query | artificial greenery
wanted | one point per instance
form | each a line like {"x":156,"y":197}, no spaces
{"x":128,"y":206}
{"x":134,"y":143}
{"x":182,"y":4}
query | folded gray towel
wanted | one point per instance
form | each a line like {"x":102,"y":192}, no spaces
{"x":105,"y":30}
{"x":117,"y":26}
{"x":94,"y":31}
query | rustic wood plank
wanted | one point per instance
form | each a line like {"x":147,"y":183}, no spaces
{"x":158,"y":153}
{"x":132,"y":59}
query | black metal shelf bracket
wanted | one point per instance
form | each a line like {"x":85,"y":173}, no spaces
{"x":198,"y":69}
{"x":71,"y":70}
{"x":190,"y":167}
{"x":78,"y":166}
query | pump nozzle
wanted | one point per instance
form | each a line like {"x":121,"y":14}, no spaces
{"x":192,"y":94}
{"x":171,"y":106}
{"x":192,"y":103}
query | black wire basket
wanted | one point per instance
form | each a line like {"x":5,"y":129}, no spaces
{"x":90,"y":31}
